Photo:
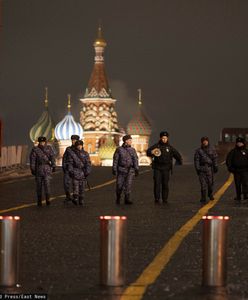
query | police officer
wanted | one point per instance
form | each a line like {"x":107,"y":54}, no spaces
{"x":67,"y":179}
{"x":79,"y":167}
{"x":205,"y":161}
{"x":237,"y":163}
{"x":42,"y":164}
{"x":162,"y":154}
{"x":125,"y":166}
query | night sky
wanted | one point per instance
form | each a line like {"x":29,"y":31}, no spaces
{"x":190,"y":58}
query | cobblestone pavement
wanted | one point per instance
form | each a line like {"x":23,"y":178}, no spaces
{"x":60,"y":244}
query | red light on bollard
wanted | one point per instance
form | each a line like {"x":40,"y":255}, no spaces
{"x":9,"y":217}
{"x":215,"y":217}
{"x":113,"y":217}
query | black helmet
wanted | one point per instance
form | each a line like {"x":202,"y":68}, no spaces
{"x":240,"y":140}
{"x":79,"y":143}
{"x":164,"y":133}
{"x":75,"y":137}
{"x":126,"y":137}
{"x":42,"y":139}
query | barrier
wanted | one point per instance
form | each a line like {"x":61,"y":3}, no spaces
{"x":214,"y":250}
{"x":113,"y":250}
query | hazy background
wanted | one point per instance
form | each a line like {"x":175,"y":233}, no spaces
{"x":189,"y":58}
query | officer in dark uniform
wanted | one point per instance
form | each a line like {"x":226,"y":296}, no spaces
{"x":42,"y":164}
{"x":205,"y":160}
{"x":79,"y":167}
{"x":67,"y":179}
{"x":162,"y":154}
{"x":237,"y":163}
{"x":125,"y":166}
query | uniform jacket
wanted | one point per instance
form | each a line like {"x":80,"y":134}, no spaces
{"x":65,"y":158}
{"x":78,"y":163}
{"x":125,"y":159}
{"x":165,"y":160}
{"x":205,"y":158}
{"x":237,"y":160}
{"x":42,"y":160}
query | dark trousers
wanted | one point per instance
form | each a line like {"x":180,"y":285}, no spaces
{"x":42,"y":182}
{"x":207,"y":181}
{"x":67,"y":183}
{"x":241,"y":183}
{"x":124,"y":182}
{"x":161,"y":179}
{"x":78,"y":188}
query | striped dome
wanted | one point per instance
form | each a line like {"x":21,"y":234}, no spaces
{"x":67,"y":127}
{"x":107,"y":150}
{"x":139,"y":125}
{"x":43,"y":127}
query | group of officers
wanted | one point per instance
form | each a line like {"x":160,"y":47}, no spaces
{"x":76,"y":166}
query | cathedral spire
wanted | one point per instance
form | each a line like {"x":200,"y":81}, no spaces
{"x":46,"y":97}
{"x":98,"y":83}
{"x":140,"y":101}
{"x":69,"y":102}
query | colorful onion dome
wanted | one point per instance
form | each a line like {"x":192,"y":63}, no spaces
{"x":44,"y":126}
{"x":139,"y":124}
{"x":107,"y":150}
{"x":68,"y":126}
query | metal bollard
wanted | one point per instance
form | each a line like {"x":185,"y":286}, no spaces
{"x":9,"y":247}
{"x":112,"y":250}
{"x":214,"y":250}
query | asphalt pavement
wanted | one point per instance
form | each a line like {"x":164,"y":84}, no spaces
{"x":59,"y":249}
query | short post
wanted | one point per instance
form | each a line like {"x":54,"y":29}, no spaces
{"x":112,"y":250}
{"x":214,"y":250}
{"x":9,"y":250}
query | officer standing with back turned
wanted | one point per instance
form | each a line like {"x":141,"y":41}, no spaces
{"x":162,"y":154}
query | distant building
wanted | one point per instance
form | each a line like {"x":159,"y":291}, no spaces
{"x":64,"y":130}
{"x":227,"y":140}
{"x":98,"y":116}
{"x":140,"y":129}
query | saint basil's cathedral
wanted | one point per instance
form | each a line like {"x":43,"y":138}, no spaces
{"x":98,"y":127}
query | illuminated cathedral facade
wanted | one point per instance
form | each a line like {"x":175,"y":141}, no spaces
{"x":98,"y":125}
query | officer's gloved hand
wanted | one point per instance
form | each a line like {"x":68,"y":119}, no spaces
{"x":178,"y":163}
{"x":53,"y":169}
{"x":114,"y":172}
{"x":33,"y":172}
{"x":215,"y":169}
{"x":136,"y":173}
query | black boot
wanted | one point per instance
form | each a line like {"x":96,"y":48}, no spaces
{"x":245,"y":196}
{"x":80,"y":201}
{"x":75,"y":199}
{"x":68,"y":197}
{"x":238,"y":198}
{"x":127,"y":199}
{"x":39,"y":202}
{"x":210,"y":195}
{"x":203,"y":197}
{"x":48,"y":199}
{"x":118,"y":198}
